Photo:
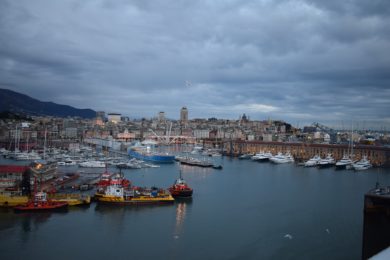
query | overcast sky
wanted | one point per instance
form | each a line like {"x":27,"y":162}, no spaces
{"x":298,"y":61}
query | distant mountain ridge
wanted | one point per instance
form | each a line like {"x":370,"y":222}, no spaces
{"x":19,"y":103}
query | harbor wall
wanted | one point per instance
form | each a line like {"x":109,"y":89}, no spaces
{"x":376,"y":223}
{"x":378,"y":155}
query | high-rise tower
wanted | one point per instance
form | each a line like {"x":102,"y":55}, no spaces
{"x":161,"y":117}
{"x":184,"y":116}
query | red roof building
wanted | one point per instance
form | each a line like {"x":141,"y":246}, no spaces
{"x":11,"y":175}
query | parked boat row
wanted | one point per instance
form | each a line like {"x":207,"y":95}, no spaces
{"x":85,"y":158}
{"x":345,"y":163}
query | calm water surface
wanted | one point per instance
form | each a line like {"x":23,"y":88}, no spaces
{"x":244,"y":211}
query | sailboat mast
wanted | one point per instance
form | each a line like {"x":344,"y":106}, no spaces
{"x":351,"y":140}
{"x":16,"y":139}
{"x":44,"y":146}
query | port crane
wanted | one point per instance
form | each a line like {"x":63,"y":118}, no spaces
{"x":332,"y":133}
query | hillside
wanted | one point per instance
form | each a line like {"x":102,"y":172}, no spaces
{"x":19,"y":103}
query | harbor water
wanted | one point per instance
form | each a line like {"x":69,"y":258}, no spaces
{"x":247,"y":210}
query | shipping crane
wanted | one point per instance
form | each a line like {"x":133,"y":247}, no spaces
{"x":331,"y":132}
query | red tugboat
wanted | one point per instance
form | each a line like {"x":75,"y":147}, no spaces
{"x":40,"y":202}
{"x":180,"y":189}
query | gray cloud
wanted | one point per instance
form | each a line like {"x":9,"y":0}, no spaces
{"x":300,"y":61}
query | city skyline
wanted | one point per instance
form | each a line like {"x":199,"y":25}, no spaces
{"x":297,"y":61}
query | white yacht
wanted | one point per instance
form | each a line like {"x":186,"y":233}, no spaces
{"x":313,"y":161}
{"x":93,"y":164}
{"x":4,"y":151}
{"x":363,"y":164}
{"x":262,"y":156}
{"x":67,"y":163}
{"x":24,"y":156}
{"x":328,"y":161}
{"x":245,"y":156}
{"x":345,"y":163}
{"x":282,"y":158}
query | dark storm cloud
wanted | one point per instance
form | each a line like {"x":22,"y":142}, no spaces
{"x":300,"y":61}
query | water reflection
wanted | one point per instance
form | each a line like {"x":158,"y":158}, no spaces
{"x":199,"y":171}
{"x":32,"y":221}
{"x":181,"y":212}
{"x":105,"y":209}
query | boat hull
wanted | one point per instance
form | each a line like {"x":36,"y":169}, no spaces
{"x":196,"y":163}
{"x":71,"y":199}
{"x":12,"y":201}
{"x":328,"y":165}
{"x":341,"y":166}
{"x":33,"y":208}
{"x":181,"y":193}
{"x":156,"y":158}
{"x":262,"y":160}
{"x":135,"y":201}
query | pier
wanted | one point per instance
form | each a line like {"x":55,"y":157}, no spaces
{"x":376,"y":223}
{"x":378,"y":155}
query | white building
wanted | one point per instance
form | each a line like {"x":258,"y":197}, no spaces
{"x":201,"y":133}
{"x":114,"y":118}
